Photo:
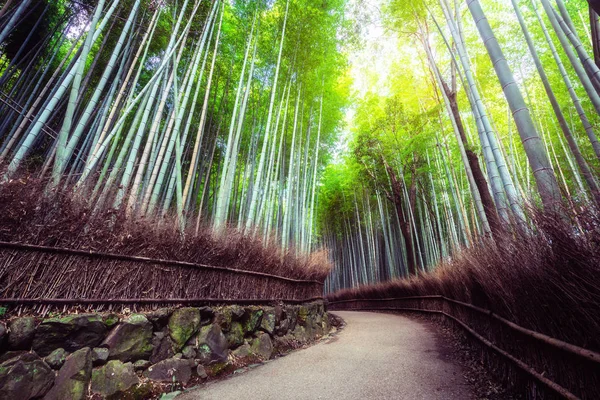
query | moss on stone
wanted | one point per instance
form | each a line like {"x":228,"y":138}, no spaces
{"x":131,"y":339}
{"x":223,"y":318}
{"x":254,"y":319}
{"x":21,"y":332}
{"x":57,"y":358}
{"x":262,"y":346}
{"x":268,"y":321}
{"x":77,"y":389}
{"x":69,"y":319}
{"x":303,"y":313}
{"x":136,"y":319}
{"x":111,"y":320}
{"x":217,"y":369}
{"x":183,"y":324}
{"x":203,"y":351}
{"x":138,"y":392}
{"x":235,"y":336}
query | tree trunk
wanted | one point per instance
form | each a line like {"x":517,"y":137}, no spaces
{"x":595,"y":5}
{"x":478,"y":176}
{"x":396,"y":198}
{"x":449,"y":97}
{"x":500,"y":179}
{"x":595,"y":28}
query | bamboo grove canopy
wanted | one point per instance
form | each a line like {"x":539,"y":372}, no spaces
{"x":466,"y":115}
{"x":211,"y":110}
{"x":392,"y":132}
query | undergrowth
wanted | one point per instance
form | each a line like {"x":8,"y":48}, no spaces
{"x":30,"y":214}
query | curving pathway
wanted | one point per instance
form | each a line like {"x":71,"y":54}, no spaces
{"x":376,"y":356}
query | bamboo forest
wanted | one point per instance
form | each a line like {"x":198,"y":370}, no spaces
{"x":377,"y":148}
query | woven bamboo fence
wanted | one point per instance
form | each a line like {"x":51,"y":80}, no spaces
{"x":37,"y":277}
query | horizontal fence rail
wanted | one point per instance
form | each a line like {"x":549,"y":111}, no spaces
{"x":563,"y":369}
{"x":184,"y":301}
{"x":40,"y":275}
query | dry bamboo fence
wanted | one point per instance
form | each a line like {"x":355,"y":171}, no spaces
{"x":540,"y":366}
{"x":36,"y":277}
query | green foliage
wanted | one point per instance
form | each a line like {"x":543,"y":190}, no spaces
{"x":338,"y":184}
{"x":399,"y":124}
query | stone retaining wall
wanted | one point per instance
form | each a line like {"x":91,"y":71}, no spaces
{"x":106,"y":355}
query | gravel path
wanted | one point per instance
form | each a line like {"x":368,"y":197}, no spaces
{"x":376,"y":356}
